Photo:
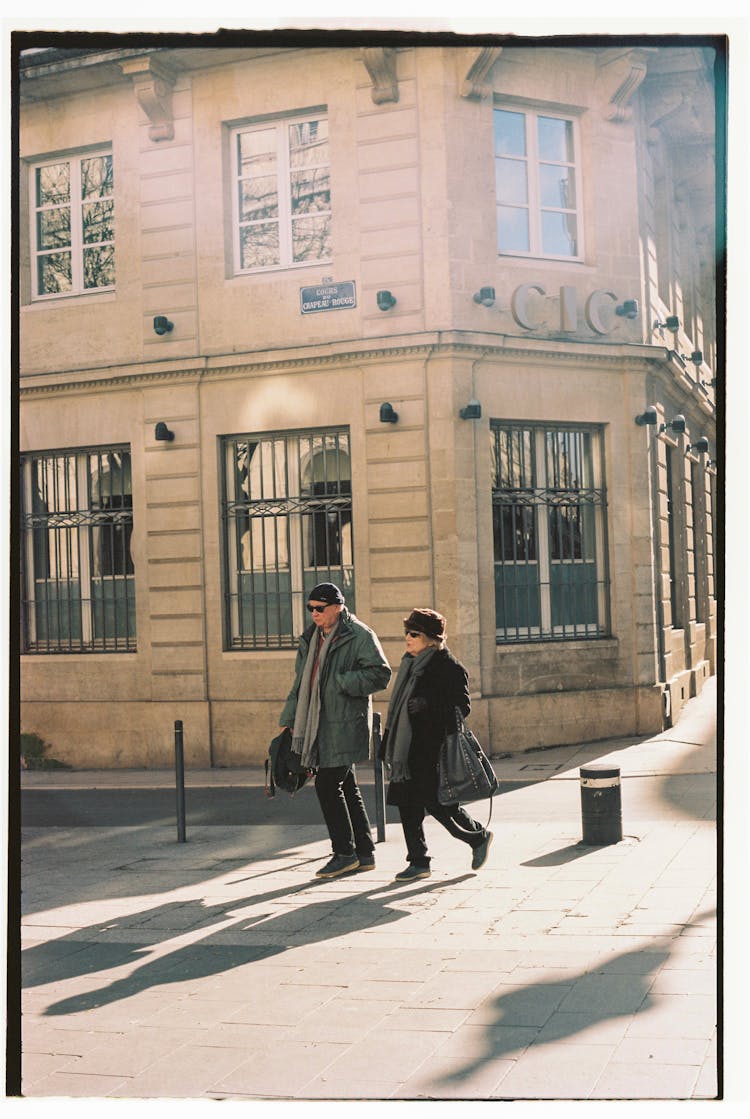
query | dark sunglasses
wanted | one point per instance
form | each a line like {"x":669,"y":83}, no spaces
{"x":317,"y":609}
{"x":412,"y":633}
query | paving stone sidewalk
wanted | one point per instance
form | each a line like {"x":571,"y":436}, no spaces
{"x":221,"y":969}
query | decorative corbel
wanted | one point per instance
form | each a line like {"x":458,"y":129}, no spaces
{"x":621,"y":74}
{"x":473,"y":81}
{"x":381,"y":66}
{"x":662,"y":112}
{"x":153,"y":84}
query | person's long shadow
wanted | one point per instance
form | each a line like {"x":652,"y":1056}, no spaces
{"x":559,"y":1009}
{"x":209,"y":956}
{"x":84,"y":951}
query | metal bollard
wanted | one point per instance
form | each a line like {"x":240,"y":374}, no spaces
{"x":179,"y":765}
{"x":601,"y":812}
{"x":379,"y":779}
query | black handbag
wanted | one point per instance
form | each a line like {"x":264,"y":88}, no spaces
{"x":284,"y":767}
{"x":464,"y":770}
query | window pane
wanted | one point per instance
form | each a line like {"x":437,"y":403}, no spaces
{"x":256,"y":152}
{"x":311,"y":191}
{"x":511,"y":177}
{"x":574,"y":597}
{"x":517,"y":600}
{"x":557,"y":186}
{"x":99,"y":267}
{"x":96,"y":176}
{"x":53,"y":228}
{"x":53,"y":184}
{"x":569,"y":465}
{"x":259,"y":245}
{"x":555,"y":139}
{"x":308,"y":143}
{"x":54,"y":273}
{"x":258,"y":199}
{"x":98,"y":222}
{"x":513,"y":463}
{"x":510,"y":133}
{"x":559,"y":234}
{"x":512,"y":229}
{"x":311,"y":238}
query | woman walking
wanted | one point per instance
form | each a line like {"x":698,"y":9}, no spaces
{"x":430,"y":685}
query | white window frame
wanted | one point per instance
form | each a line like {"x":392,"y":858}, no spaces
{"x":75,"y":205}
{"x":283,"y":177}
{"x":532,"y":162}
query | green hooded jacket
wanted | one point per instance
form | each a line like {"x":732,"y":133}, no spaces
{"x":354,"y":668}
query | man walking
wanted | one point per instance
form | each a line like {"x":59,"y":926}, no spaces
{"x":340,"y":663}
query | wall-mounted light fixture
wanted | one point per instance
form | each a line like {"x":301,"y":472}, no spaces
{"x":700,"y":445}
{"x":162,"y":325}
{"x":671,"y":323}
{"x":627,"y":309}
{"x":386,"y":300}
{"x":472,"y":411}
{"x":485,"y":296}
{"x":677,"y":425}
{"x":649,"y":417}
{"x":162,"y":434}
{"x":697,"y":358}
{"x":387,"y":415}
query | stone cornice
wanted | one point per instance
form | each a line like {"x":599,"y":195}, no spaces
{"x":433,"y":345}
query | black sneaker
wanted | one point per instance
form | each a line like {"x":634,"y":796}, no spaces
{"x":366,"y":862}
{"x":339,"y":864}
{"x":479,"y":857}
{"x":413,"y":872}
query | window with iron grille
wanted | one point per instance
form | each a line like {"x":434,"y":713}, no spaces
{"x":549,"y":510}
{"x":287,"y":525}
{"x":674,"y":602}
{"x":73,"y":225}
{"x":537,"y":187}
{"x":282,"y":193}
{"x":78,"y":576}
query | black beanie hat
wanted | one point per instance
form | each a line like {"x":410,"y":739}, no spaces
{"x":428,"y":622}
{"x":325,"y":592}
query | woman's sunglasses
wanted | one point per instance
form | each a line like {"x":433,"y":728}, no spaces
{"x":412,"y":633}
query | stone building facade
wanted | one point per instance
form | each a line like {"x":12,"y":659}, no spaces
{"x":438,"y":323}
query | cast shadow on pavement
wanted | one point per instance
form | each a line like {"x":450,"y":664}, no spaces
{"x":555,"y":1010}
{"x":563,"y":855}
{"x":308,"y":924}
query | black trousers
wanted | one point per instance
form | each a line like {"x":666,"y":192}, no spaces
{"x":344,"y":811}
{"x":455,"y":820}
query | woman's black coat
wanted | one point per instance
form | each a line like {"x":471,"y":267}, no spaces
{"x":445,"y":686}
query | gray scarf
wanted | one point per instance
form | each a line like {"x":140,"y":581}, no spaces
{"x":307,"y":717}
{"x":398,"y":723}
